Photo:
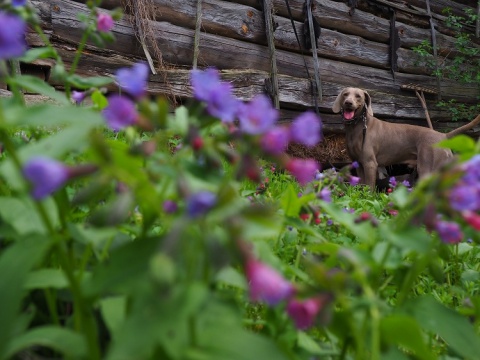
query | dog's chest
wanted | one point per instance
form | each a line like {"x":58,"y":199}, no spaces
{"x":354,"y":142}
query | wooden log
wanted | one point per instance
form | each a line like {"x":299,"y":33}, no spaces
{"x":230,"y":53}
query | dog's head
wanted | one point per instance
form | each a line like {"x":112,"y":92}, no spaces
{"x":352,"y":101}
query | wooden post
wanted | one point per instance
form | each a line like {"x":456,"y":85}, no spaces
{"x":267,"y":10}
{"x":198,"y":24}
{"x":313,"y":41}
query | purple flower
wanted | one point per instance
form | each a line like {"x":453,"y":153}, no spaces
{"x":406,"y":183}
{"x":12,"y":41}
{"x":218,"y":95}
{"x":266,"y":284}
{"x":275,"y":140}
{"x":306,"y":129}
{"x":17,"y":3}
{"x":329,"y":222}
{"x":120,"y":112}
{"x":325,"y":195}
{"x":45,"y":175}
{"x":78,"y":96}
{"x":472,"y":170}
{"x":304,"y":312}
{"x":465,"y":197}
{"x":257,"y":116}
{"x":392,"y":182}
{"x":354,"y":180}
{"x":304,"y":170}
{"x":449,"y":232}
{"x":355,"y":165}
{"x":170,"y":206}
{"x":104,"y":22}
{"x":200,"y":203}
{"x":134,"y":80}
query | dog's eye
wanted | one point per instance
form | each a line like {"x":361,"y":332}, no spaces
{"x":345,"y":94}
{"x":357,"y":96}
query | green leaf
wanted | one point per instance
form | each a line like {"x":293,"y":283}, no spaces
{"x":20,"y":213}
{"x":85,"y":83}
{"x":15,"y":264}
{"x":99,"y":100}
{"x":37,"y":85}
{"x":38,"y":53}
{"x":113,"y":311}
{"x":306,"y":343}
{"x":179,"y":123}
{"x":232,"y":277}
{"x":46,"y":278}
{"x":455,"y":329}
{"x":460,"y":143}
{"x":65,"y":341}
{"x":405,"y":331}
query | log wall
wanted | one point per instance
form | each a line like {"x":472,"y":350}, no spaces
{"x":353,"y":50}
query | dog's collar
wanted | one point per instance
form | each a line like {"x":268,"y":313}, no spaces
{"x":356,"y":119}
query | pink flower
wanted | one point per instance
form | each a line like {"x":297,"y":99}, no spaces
{"x":266,"y":284}
{"x":304,"y":170}
{"x":354,"y":180}
{"x":275,"y":140}
{"x":104,"y":22}
{"x":472,"y":219}
{"x":304,"y":312}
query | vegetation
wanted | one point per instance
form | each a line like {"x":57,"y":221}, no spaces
{"x":462,"y":63}
{"x":131,"y":232}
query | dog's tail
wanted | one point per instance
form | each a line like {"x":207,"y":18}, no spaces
{"x":464,"y":128}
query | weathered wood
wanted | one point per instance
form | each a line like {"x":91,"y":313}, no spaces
{"x":230,"y":53}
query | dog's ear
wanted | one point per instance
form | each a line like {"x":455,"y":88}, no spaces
{"x":368,"y":103}
{"x":337,"y":105}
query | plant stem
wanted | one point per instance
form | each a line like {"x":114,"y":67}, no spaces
{"x":78,"y":54}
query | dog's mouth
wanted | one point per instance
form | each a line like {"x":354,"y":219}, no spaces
{"x":348,"y":114}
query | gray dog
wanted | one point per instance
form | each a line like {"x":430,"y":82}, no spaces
{"x":373,"y":142}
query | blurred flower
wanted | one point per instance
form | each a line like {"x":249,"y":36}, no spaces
{"x":266,"y":284}
{"x":392,"y":182}
{"x":354,"y":180}
{"x":329,"y":222}
{"x":16,"y":3}
{"x":120,"y":112}
{"x":275,"y":140}
{"x":306,"y":129}
{"x":472,"y":219}
{"x":45,"y":175}
{"x":355,"y":165}
{"x":170,"y":206}
{"x":472,"y":170}
{"x":325,"y":195}
{"x":449,"y":232}
{"x":257,"y":116}
{"x":104,"y":22}
{"x":406,"y":183}
{"x":200,"y":203}
{"x":78,"y":96}
{"x":304,"y":170}
{"x":12,"y":40}
{"x":218,"y":95}
{"x":319,"y":175}
{"x":465,"y":196}
{"x":133,"y":80}
{"x":304,"y":312}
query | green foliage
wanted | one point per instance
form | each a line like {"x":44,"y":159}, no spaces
{"x":461,"y":64}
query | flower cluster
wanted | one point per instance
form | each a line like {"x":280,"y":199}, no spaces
{"x":259,"y":118}
{"x":268,"y":286}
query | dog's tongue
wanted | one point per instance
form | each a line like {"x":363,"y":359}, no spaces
{"x":348,"y":115}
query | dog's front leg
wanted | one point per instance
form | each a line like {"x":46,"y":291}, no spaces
{"x":370,"y":170}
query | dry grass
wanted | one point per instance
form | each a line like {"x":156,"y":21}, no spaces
{"x":331,"y":150}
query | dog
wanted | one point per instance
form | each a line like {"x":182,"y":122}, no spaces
{"x":374,"y":143}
